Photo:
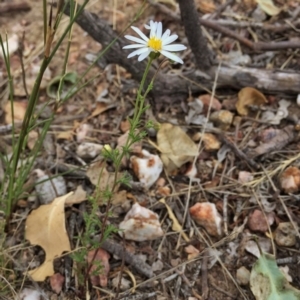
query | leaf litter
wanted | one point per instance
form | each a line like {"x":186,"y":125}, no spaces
{"x":262,"y":127}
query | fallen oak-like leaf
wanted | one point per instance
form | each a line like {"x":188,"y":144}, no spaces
{"x":78,"y":196}
{"x":267,"y":282}
{"x":176,"y":147}
{"x":45,"y":227}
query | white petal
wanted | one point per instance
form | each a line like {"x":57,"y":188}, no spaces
{"x":135,"y":39}
{"x":143,"y":55}
{"x":171,"y":56}
{"x":137,"y":52}
{"x":148,"y":26}
{"x":153,"y":29}
{"x":134,"y":46}
{"x":159,"y":30}
{"x":138,"y":31}
{"x":166,"y":34}
{"x":175,"y":47}
{"x":170,"y":39}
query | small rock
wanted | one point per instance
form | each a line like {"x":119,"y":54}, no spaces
{"x":147,"y":167}
{"x":264,"y":243}
{"x":290,"y":180}
{"x":257,"y":221}
{"x":206,"y":215}
{"x":210,"y":141}
{"x":243,"y":276}
{"x":285,"y":235}
{"x":206,"y":99}
{"x":125,"y":283}
{"x":83,"y":131}
{"x":56,"y":282}
{"x":140,"y":224}
{"x":222,"y":119}
{"x":245,"y":177}
{"x":99,"y":257}
{"x":89,"y":150}
{"x":48,"y":188}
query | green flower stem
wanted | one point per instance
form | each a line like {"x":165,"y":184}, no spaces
{"x":140,"y":99}
{"x":138,"y":111}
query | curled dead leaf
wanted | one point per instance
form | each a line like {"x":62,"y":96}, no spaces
{"x":249,"y":96}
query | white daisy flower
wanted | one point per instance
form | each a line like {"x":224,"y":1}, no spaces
{"x":157,"y":43}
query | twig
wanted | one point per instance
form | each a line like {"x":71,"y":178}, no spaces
{"x":121,"y":271}
{"x":177,"y":287}
{"x":275,"y":28}
{"x":129,"y":258}
{"x":197,"y":42}
{"x":204,"y":280}
{"x":239,"y":153}
{"x":221,"y":8}
{"x":21,"y":51}
{"x":211,"y":281}
{"x":11,"y":7}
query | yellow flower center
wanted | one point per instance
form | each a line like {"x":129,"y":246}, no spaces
{"x":155,"y":44}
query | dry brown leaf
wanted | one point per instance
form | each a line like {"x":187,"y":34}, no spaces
{"x":176,"y":147}
{"x":268,"y":7}
{"x":206,"y":7}
{"x":77,"y":197}
{"x":100,"y":108}
{"x":56,"y":282}
{"x":175,"y":226}
{"x":249,"y":96}
{"x":19,"y":111}
{"x":65,"y":135}
{"x":99,"y":258}
{"x":45,"y":227}
{"x":210,"y":141}
{"x":191,"y":251}
{"x":172,"y":3}
{"x":100,"y":177}
{"x":32,"y":138}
